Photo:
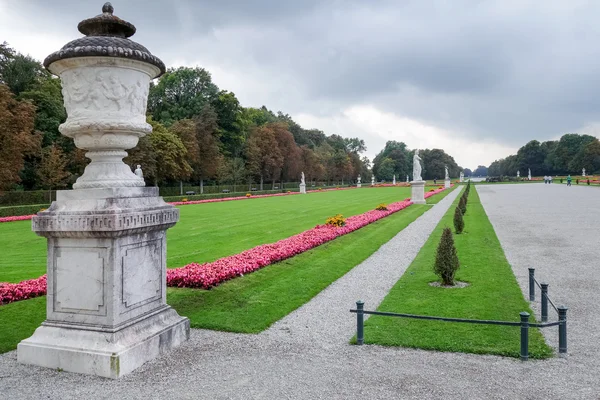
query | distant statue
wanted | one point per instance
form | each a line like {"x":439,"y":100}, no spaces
{"x":583,"y":172}
{"x":529,"y":173}
{"x":447,"y":174}
{"x":394,"y":182}
{"x":302,"y":182}
{"x":518,"y":174}
{"x":138,"y":172}
{"x":417,"y":167}
{"x":406,"y":178}
{"x":358,"y":179}
{"x":372,"y":179}
{"x":462,"y":176}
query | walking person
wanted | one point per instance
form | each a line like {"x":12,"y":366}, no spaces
{"x":569,"y":180}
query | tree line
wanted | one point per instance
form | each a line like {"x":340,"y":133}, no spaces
{"x":200,"y":133}
{"x":568,"y":155}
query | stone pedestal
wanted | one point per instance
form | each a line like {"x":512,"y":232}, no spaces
{"x":447,"y":183}
{"x":106,"y":303}
{"x":359,"y":185}
{"x":303,"y":188}
{"x":417,"y":192}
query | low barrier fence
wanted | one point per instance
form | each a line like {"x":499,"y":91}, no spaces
{"x":523,"y":323}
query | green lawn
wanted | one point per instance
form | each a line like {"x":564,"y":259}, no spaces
{"x":253,"y":302}
{"x":493,"y":293}
{"x":210,"y":231}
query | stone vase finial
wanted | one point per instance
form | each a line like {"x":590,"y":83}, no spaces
{"x":105,"y":78}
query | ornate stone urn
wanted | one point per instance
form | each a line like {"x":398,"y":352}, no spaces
{"x":106,"y":302}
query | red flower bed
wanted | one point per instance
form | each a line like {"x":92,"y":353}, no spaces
{"x":211,"y":274}
{"x":18,"y":218}
{"x":10,"y":292}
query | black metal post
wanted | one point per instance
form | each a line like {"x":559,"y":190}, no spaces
{"x":524,"y":335}
{"x":531,"y":284}
{"x":562,"y":329}
{"x":544,"y":302}
{"x":360,"y":319}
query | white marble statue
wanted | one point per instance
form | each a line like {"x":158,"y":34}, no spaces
{"x":406,"y":178}
{"x":518,"y":174}
{"x":417,"y":167}
{"x":583,"y":172}
{"x":138,"y":172}
{"x":446,"y":171}
{"x":462,"y":176}
{"x":358,"y":179}
{"x":394,"y":181}
{"x":528,"y":173}
{"x":372,"y":179}
{"x":302,"y":182}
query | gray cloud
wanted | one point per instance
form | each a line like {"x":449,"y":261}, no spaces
{"x":511,"y":70}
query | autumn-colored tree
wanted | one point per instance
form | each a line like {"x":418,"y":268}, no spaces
{"x":17,"y":137}
{"x":52,"y":171}
{"x":265,"y":159}
{"x":290,"y":169}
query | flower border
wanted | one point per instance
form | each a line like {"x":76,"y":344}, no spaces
{"x":211,"y":274}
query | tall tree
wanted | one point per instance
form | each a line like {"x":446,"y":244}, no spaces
{"x":265,"y":159}
{"x":20,"y":72}
{"x":181,"y":93}
{"x":52,"y":170}
{"x":17,"y":137}
{"x":229,"y":117}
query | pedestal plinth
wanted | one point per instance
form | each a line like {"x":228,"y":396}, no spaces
{"x":106,"y":304}
{"x":447,"y":183}
{"x":358,"y":185}
{"x":417,"y":192}
{"x":303,"y":188}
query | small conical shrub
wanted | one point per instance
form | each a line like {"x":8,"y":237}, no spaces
{"x":462,"y":204}
{"x":459,"y":223}
{"x":446,"y":260}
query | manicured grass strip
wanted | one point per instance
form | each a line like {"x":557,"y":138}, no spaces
{"x":207,"y":232}
{"x":493,"y":293}
{"x":438,"y":197}
{"x":253,"y":302}
{"x":18,"y":321}
{"x":250,"y":303}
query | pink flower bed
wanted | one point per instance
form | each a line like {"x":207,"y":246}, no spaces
{"x":10,"y":292}
{"x":18,"y":218}
{"x":207,"y":275}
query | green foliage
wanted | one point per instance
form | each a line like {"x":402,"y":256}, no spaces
{"x":459,"y":223}
{"x":181,"y":93}
{"x":22,"y":210}
{"x":446,"y":259}
{"x":462,"y":203}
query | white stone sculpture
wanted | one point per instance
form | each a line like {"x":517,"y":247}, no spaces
{"x":394,"y":181}
{"x":417,"y":166}
{"x":138,"y":172}
{"x":529,"y":174}
{"x":462,"y":176}
{"x":302,"y":184}
{"x":358,"y":180}
{"x":446,"y":172}
{"x":372,"y":180}
{"x":583,"y":172}
{"x":518,"y":174}
{"x":106,"y":310}
{"x":406,"y":178}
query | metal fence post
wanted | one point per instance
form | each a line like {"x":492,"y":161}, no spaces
{"x":360,"y":319}
{"x":524,"y":335}
{"x":562,"y":329}
{"x":531,"y":284}
{"x":544,"y":302}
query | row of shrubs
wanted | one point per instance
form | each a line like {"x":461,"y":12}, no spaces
{"x":223,"y":195}
{"x":16,"y":211}
{"x":446,"y":259}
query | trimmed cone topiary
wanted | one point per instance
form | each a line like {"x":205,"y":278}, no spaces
{"x":462,"y":204}
{"x":459,"y":223}
{"x":446,"y":260}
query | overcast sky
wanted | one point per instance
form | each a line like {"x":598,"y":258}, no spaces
{"x":476,"y":78}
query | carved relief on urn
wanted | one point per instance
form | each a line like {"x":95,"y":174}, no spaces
{"x":105,"y":78}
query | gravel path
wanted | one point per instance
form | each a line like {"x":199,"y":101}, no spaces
{"x":325,"y":317}
{"x":217,"y":365}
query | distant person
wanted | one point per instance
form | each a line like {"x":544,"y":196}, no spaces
{"x":569,"y":180}
{"x":545,"y":179}
{"x":435,"y":181}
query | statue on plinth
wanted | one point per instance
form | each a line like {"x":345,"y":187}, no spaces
{"x":529,"y":173}
{"x":518,"y":174}
{"x":447,"y":174}
{"x":394,"y":181}
{"x":583,"y":172}
{"x":302,"y":182}
{"x":373,"y":180}
{"x":417,"y":166}
{"x":358,"y":179}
